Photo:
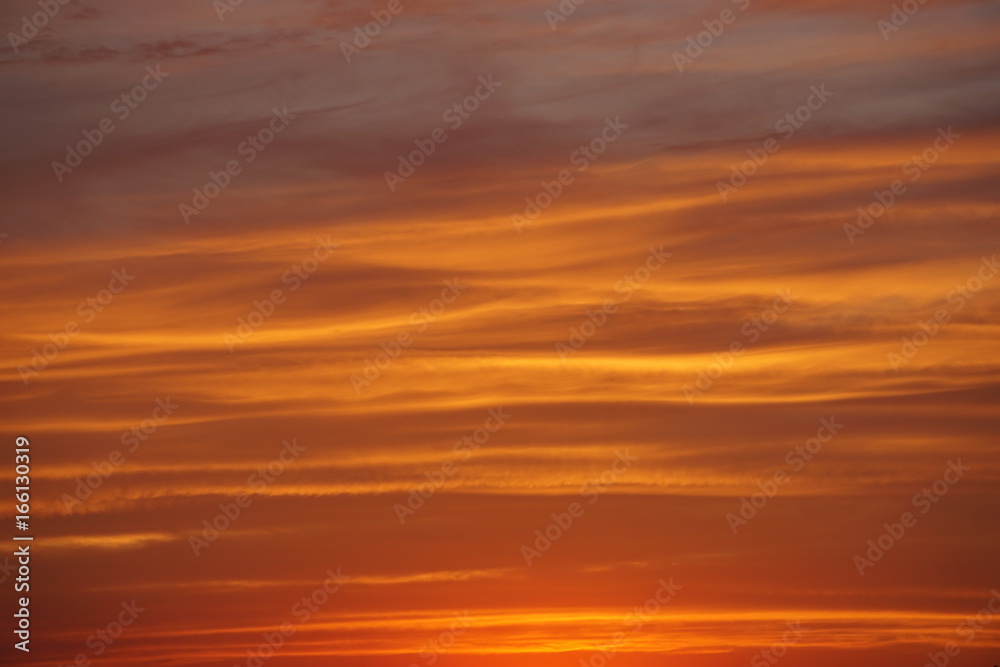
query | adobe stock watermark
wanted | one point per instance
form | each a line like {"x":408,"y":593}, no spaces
{"x":796,"y":458}
{"x":293,"y":277}
{"x":927,"y":329}
{"x":430,"y":651}
{"x":752,"y":330}
{"x":596,"y":319}
{"x":363,"y":35}
{"x":581,"y":158}
{"x":787,"y":125}
{"x":88,"y":310}
{"x":634,"y":622}
{"x":302,"y":612}
{"x":563,"y":11}
{"x":122,"y":107}
{"x":223,"y":7}
{"x":591,"y":491}
{"x":967,"y":630}
{"x":259,"y":480}
{"x":7,"y":569}
{"x":99,"y":641}
{"x":714,"y":27}
{"x":779,"y":649}
{"x":915,"y":168}
{"x":133,"y":438}
{"x":899,"y":17}
{"x":924,"y":500}
{"x":392,"y":350}
{"x":248,"y":149}
{"x":463,"y":450}
{"x":455,"y":116}
{"x":30,"y":26}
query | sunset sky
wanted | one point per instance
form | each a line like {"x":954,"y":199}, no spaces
{"x":504,"y":334}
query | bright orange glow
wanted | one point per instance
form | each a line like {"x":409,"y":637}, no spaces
{"x":472,"y":436}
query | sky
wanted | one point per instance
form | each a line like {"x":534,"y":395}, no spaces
{"x":468,"y":334}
